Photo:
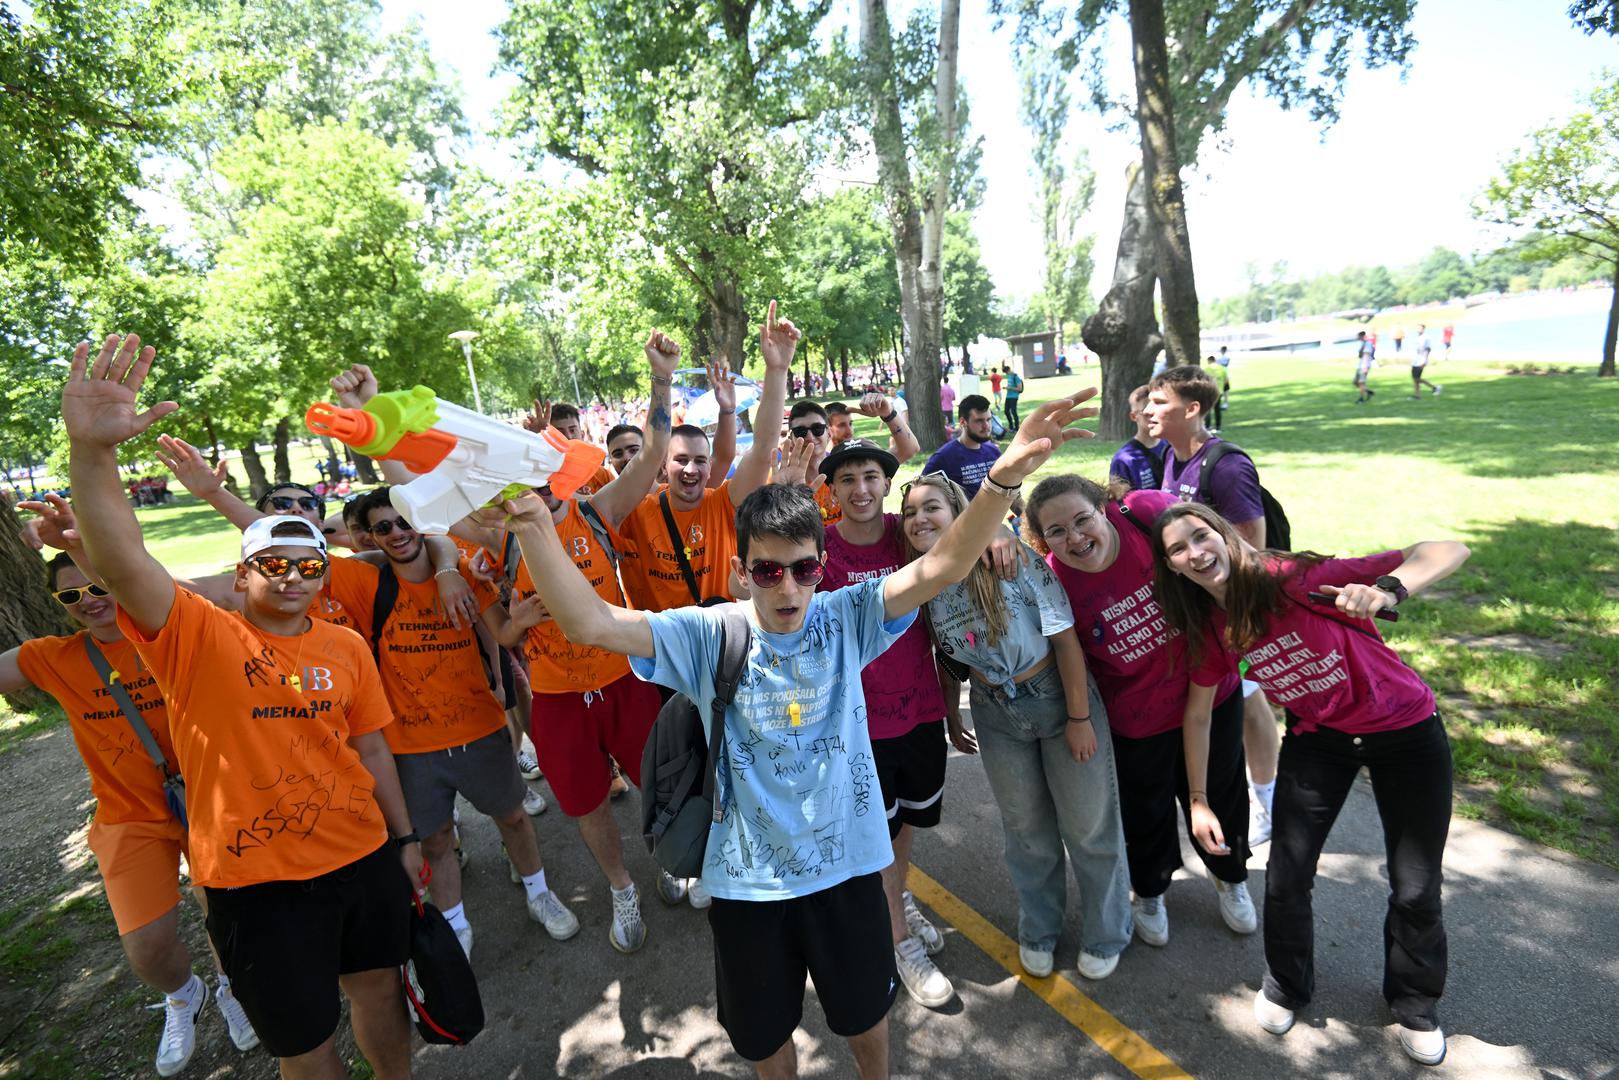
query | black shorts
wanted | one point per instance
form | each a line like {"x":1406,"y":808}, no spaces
{"x":284,"y":943}
{"x":1416,"y":371}
{"x":910,"y":774}
{"x":763,"y":948}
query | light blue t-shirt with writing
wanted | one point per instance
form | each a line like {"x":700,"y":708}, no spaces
{"x":1036,"y":608}
{"x":802,"y":811}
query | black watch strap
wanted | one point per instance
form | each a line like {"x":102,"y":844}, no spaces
{"x":889,"y":419}
{"x":408,"y":839}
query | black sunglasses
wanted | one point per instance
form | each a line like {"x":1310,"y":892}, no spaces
{"x":276,"y":566}
{"x":767,"y":573}
{"x":287,"y":502}
{"x":383,"y":528}
{"x":808,"y":431}
{"x":69,"y":597}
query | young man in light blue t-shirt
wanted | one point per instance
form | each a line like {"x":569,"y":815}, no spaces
{"x":793,"y":865}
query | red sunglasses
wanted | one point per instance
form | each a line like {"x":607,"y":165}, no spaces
{"x":767,"y":573}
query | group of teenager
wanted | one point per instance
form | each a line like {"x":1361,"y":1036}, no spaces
{"x":313,"y":717}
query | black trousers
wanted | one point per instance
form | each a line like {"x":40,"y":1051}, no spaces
{"x":1012,"y":420}
{"x":1411,"y":778}
{"x":1152,"y":777}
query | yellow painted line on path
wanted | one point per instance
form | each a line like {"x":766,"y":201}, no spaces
{"x":1102,"y":1027}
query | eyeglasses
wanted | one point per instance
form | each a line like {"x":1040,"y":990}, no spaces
{"x":287,"y":502}
{"x":808,"y":431}
{"x":1059,"y":533}
{"x":383,"y":528}
{"x":767,"y":573}
{"x":69,"y":597}
{"x":276,"y":566}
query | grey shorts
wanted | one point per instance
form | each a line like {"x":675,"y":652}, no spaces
{"x":485,"y":772}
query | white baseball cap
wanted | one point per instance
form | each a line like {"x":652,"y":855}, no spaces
{"x":256,"y":537}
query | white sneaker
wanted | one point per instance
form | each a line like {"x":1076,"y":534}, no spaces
{"x":534,"y":803}
{"x":1258,"y":823}
{"x":1036,"y":962}
{"x":464,"y":936}
{"x":1423,"y":1047}
{"x":671,"y":890}
{"x":1236,"y":906}
{"x":527,"y":765}
{"x":550,"y":912}
{"x":179,"y":1031}
{"x":1274,"y":1018}
{"x":919,"y":927}
{"x":236,"y":1021}
{"x":925,"y":982}
{"x":1097,"y":968}
{"x":697,"y":893}
{"x":1151,"y":919}
{"x":628,"y":932}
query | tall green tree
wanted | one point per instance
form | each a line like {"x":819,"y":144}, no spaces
{"x":1066,"y":192}
{"x":1565,"y":183}
{"x":969,"y":293}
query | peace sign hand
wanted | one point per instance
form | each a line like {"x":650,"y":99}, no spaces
{"x":98,"y":404}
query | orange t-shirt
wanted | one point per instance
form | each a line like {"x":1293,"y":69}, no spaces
{"x":651,"y":570}
{"x":433,"y":673}
{"x":274,"y":791}
{"x":127,"y":784}
{"x":831,"y":511}
{"x":345,"y":599}
{"x":598,"y":480}
{"x":555,"y":664}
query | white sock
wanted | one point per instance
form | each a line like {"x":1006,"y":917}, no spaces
{"x":534,"y":884}
{"x":188,"y":993}
{"x":628,"y":890}
{"x":1265,"y":793}
{"x":457,"y":917}
{"x":222,"y":981}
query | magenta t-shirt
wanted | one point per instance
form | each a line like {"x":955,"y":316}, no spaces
{"x":901,"y":686}
{"x":1137,"y":658}
{"x":1325,"y":672}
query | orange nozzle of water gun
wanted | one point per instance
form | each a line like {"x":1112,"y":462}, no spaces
{"x":351,"y":427}
{"x":580,"y":460}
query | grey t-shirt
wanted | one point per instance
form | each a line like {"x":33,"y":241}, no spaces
{"x":1036,"y":607}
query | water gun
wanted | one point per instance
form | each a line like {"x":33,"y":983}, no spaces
{"x":465,"y":460}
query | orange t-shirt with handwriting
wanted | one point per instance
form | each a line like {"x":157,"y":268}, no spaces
{"x":345,"y":599}
{"x":555,"y":664}
{"x":598,"y":480}
{"x":127,"y":784}
{"x":831,"y":511}
{"x":274,"y":791}
{"x":433,"y":673}
{"x":651,"y":570}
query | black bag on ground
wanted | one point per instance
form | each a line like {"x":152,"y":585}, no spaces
{"x":440,"y":988}
{"x":1278,"y":533}
{"x":677,"y":766}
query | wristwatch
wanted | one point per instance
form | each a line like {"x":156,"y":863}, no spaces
{"x":1393,"y":586}
{"x":889,"y":419}
{"x":408,"y":839}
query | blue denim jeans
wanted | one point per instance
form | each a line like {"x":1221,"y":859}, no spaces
{"x":1049,"y":802}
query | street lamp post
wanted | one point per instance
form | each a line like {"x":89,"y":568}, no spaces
{"x":466,"y":337}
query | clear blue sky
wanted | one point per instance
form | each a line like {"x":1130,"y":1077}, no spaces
{"x":1394,"y":178}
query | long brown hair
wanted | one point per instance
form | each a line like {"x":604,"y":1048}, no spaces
{"x":1066,"y":484}
{"x":982,"y":584}
{"x":1253,"y":594}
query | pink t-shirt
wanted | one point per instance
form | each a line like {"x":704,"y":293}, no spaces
{"x":947,"y":397}
{"x":1325,"y":672}
{"x":901,"y":686}
{"x":1139,"y":660}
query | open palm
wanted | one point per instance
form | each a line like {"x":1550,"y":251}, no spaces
{"x":98,"y":404}
{"x":1044,"y":430}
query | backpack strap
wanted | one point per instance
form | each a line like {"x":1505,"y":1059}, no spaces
{"x":598,"y":529}
{"x":736,"y":637}
{"x":98,"y":660}
{"x":680,"y":547}
{"x":1124,"y":511}
{"x":382,"y":605}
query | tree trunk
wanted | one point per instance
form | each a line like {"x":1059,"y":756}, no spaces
{"x":283,"y":461}
{"x":363,"y":468}
{"x":331,"y":455}
{"x":843,"y":367}
{"x":257,"y":482}
{"x":729,"y":320}
{"x":1612,"y":337}
{"x":1123,"y":332}
{"x":1155,"y":115}
{"x":905,"y":217}
{"x":29,"y":611}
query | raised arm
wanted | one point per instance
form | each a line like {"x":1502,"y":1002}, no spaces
{"x":1047,"y":428}
{"x":354,"y":388}
{"x":615,"y":501}
{"x":585,"y":618}
{"x":206,"y":482}
{"x":778,"y":340}
{"x":902,"y":443}
{"x":723,"y":453}
{"x":98,"y":409}
{"x":1425,"y":563}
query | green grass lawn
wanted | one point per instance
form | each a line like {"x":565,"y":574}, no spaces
{"x":1522,"y":644}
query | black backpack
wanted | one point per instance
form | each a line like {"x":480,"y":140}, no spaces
{"x":1278,"y":533}
{"x":675,"y":814}
{"x":440,"y":988}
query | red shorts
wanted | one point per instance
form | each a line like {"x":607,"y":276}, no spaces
{"x":574,"y":734}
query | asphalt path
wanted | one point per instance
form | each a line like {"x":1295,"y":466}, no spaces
{"x":1533,"y":989}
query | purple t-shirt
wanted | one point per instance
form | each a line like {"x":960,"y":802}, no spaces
{"x":1138,"y":659}
{"x":1138,"y":465}
{"x":1325,"y":672}
{"x":905,"y":692}
{"x":1231,"y":489}
{"x":966,"y":467}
